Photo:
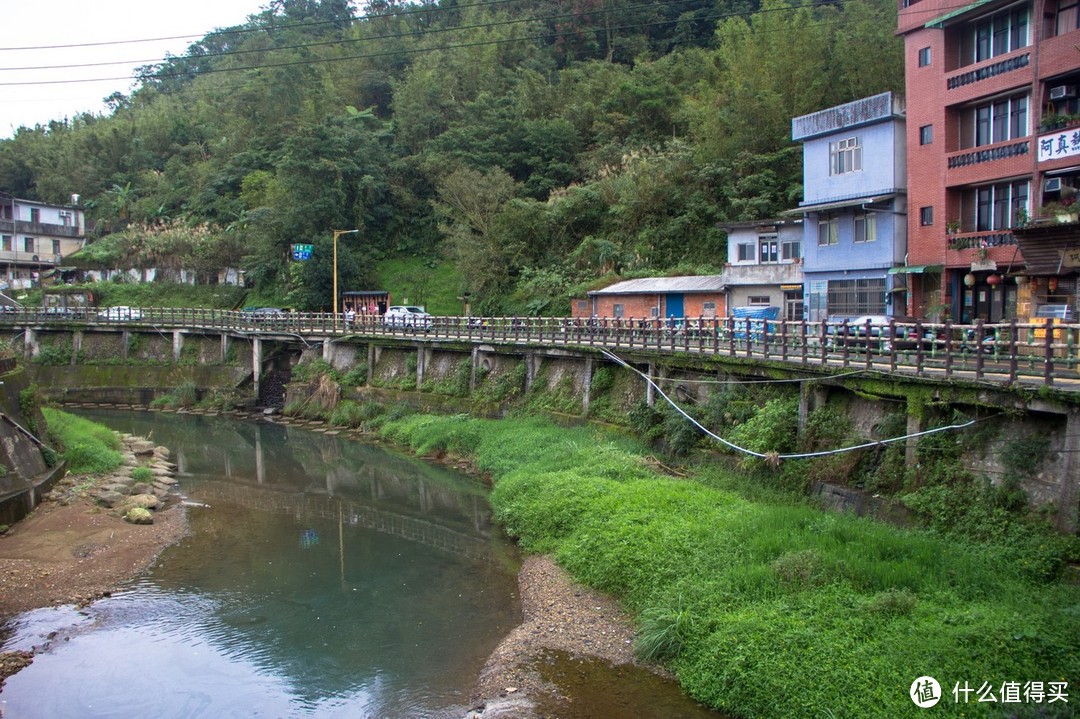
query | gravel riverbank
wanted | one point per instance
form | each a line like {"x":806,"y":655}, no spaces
{"x":558,"y":615}
{"x":72,"y":550}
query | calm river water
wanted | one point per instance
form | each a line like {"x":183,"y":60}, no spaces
{"x":324,"y":577}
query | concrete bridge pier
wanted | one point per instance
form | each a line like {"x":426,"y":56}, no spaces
{"x":915,"y":411}
{"x":224,"y":347}
{"x":421,"y":363}
{"x":650,"y":390}
{"x":76,"y":346}
{"x":30,"y":344}
{"x":177,"y":344}
{"x":256,"y":364}
{"x":586,"y":386}
{"x":532,"y":366}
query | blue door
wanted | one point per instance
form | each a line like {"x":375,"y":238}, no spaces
{"x":673,"y":306}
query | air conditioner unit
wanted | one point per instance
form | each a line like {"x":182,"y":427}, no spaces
{"x":1062,"y":92}
{"x":1052,"y":184}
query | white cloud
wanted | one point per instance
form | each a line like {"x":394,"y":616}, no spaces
{"x":48,"y":24}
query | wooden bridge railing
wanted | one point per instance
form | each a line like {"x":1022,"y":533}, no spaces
{"x":1046,"y":352}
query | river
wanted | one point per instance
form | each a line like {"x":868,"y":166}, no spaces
{"x":323,"y":577}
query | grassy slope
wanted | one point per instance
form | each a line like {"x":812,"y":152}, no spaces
{"x":771,"y":609}
{"x":88,"y":447}
{"x":413,"y":281}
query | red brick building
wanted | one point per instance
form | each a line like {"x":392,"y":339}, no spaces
{"x":993,"y":145}
{"x":656,"y":297}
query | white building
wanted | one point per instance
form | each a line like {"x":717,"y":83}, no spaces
{"x":35,"y":237}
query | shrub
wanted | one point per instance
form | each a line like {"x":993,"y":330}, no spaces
{"x":142,"y":474}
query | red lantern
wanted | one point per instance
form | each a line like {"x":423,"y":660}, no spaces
{"x":1051,"y":284}
{"x":993,"y":280}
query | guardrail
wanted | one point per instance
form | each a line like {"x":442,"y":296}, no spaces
{"x":1046,"y":352}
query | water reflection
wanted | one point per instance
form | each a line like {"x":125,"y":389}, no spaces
{"x":323,"y":578}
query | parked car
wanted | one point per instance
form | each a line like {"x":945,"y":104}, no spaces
{"x":878,"y":332}
{"x":119,"y":313}
{"x":407,"y":316}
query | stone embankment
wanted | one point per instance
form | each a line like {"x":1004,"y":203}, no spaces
{"x":141,"y":485}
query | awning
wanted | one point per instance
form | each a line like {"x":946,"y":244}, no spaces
{"x":916,"y":270}
{"x":939,"y":21}
{"x":853,"y":202}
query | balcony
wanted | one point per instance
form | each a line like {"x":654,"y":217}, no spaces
{"x":980,"y":240}
{"x":988,"y":71}
{"x":40,"y":229}
{"x":991,"y":154}
{"x":29,"y":259}
{"x":782,"y":273}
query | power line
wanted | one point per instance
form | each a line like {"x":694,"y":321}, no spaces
{"x":776,"y":456}
{"x":399,"y":51}
{"x":263,"y":28}
{"x":345,"y":41}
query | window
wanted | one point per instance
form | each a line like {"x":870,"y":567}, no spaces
{"x":28,"y":245}
{"x":995,"y":35}
{"x":6,"y":243}
{"x":746,"y":252}
{"x":997,"y":206}
{"x":926,"y":216}
{"x":857,"y":297}
{"x":759,"y":300}
{"x":35,"y":214}
{"x":791,"y":249}
{"x":1067,"y":17}
{"x":56,"y":247}
{"x":708,"y":309}
{"x":828,"y":230}
{"x":768,"y":249}
{"x":865,"y":227}
{"x":998,"y":121}
{"x":926,"y":134}
{"x":845,"y":156}
{"x":924,"y":56}
{"x":616,"y":310}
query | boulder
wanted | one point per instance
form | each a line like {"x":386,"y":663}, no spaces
{"x":109,"y":499}
{"x":138,"y":515}
{"x":146,"y":501}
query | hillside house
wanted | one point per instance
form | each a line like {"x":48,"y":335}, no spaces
{"x":35,"y":237}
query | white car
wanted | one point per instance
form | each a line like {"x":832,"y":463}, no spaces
{"x":407,"y":316}
{"x":119,"y":313}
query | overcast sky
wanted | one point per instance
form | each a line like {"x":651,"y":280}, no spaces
{"x":51,"y":23}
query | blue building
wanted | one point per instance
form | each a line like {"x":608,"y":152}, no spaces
{"x":854,"y":208}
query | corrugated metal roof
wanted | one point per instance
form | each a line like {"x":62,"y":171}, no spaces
{"x":664,"y":285}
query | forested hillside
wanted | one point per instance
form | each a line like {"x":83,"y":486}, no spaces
{"x":537,"y":146}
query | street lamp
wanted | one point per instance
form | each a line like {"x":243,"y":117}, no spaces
{"x":337,"y":234}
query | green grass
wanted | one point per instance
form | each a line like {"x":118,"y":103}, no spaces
{"x":416,"y":281}
{"x":87,"y":447}
{"x":769,"y":608}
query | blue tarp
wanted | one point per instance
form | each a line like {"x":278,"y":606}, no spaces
{"x":752,"y":320}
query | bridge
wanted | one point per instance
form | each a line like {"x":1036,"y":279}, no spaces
{"x":1021,"y":377}
{"x":1043,"y":354}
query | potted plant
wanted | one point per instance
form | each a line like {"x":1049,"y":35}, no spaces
{"x":1064,"y":210}
{"x":952,"y":226}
